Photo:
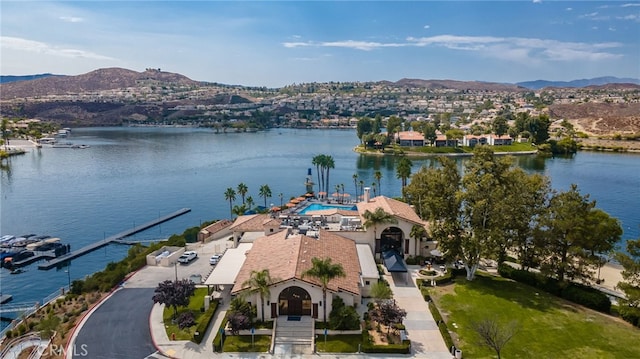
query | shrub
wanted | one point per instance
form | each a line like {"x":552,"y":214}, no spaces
{"x":186,"y":320}
{"x":343,"y":317}
{"x":217,"y":340}
{"x":630,"y":314}
{"x":205,"y":320}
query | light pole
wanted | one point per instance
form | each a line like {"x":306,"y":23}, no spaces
{"x":68,"y":277}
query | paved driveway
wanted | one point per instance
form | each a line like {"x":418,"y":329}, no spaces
{"x":119,"y":328}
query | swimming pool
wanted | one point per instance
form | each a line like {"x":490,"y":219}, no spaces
{"x":321,"y":206}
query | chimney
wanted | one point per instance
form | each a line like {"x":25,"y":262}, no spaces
{"x":367,"y":194}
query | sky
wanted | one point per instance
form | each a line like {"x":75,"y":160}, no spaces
{"x":274,"y":44}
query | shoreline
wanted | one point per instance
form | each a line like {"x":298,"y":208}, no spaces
{"x":464,"y":154}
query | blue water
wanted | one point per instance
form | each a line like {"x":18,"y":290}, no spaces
{"x":132,"y":175}
{"x":321,"y":206}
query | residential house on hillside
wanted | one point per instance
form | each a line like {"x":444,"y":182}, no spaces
{"x":489,"y":139}
{"x":410,"y":138}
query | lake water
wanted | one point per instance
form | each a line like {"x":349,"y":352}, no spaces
{"x":132,"y":175}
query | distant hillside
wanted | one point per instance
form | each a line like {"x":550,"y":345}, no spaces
{"x":10,"y":78}
{"x":539,"y":84}
{"x":457,"y":85}
{"x":98,"y":80}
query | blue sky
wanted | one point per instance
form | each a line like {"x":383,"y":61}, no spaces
{"x":274,"y":44}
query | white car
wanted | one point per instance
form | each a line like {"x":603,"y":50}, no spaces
{"x":187,"y":257}
{"x":215,"y":259}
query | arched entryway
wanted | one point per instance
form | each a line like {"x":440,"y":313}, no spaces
{"x":294,"y":301}
{"x":391,"y":239}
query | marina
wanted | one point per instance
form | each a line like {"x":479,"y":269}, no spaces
{"x":117,"y":237}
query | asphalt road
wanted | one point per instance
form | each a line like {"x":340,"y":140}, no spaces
{"x":119,"y":328}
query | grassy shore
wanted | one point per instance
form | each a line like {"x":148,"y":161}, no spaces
{"x":514,"y":149}
{"x":549,"y":327}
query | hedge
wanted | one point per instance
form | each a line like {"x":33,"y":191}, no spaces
{"x":630,"y":314}
{"x":368,"y":347}
{"x":218,"y":338}
{"x":204,"y":322}
{"x":442,"y":326}
{"x":574,"y":292}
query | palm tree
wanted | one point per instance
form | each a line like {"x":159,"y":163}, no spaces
{"x":378,"y":176}
{"x":338,"y":191}
{"x":265,"y":192}
{"x":373,"y":186}
{"x":242,"y":190}
{"x":250,"y":202}
{"x":328,"y":165}
{"x":230,"y":195}
{"x":317,"y":161}
{"x":361,"y":189}
{"x":280,"y":196}
{"x":403,"y":171}
{"x":373,"y":219}
{"x":259,"y":282}
{"x":239,"y":209}
{"x":355,"y":181}
{"x":324,"y":271}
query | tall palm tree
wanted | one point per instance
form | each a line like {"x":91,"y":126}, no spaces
{"x":378,"y":176}
{"x":403,"y":171}
{"x":259,"y":282}
{"x":242,"y":190}
{"x":328,"y":165}
{"x":250,"y":202}
{"x":317,"y":161}
{"x":378,"y":216}
{"x":324,"y":271}
{"x":361,"y":189}
{"x":373,"y":186}
{"x":355,"y":181}
{"x":265,"y":192}
{"x":280,"y":195}
{"x":230,"y":195}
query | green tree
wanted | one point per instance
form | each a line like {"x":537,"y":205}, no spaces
{"x":355,"y":182}
{"x":260,"y":282}
{"x":265,"y":192}
{"x":403,"y":171}
{"x":429,"y":131}
{"x":230,"y":195}
{"x":575,"y":233}
{"x":377,"y":124}
{"x":324,"y":271}
{"x":499,"y":126}
{"x":630,"y":261}
{"x":394,"y":124}
{"x":364,"y":126}
{"x":380,"y":290}
{"x":242,"y":190}
{"x":329,"y":164}
{"x":239,"y":209}
{"x":250,"y":202}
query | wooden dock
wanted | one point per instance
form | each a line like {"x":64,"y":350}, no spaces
{"x":99,"y":244}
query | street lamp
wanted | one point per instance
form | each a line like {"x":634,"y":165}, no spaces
{"x":68,"y":278}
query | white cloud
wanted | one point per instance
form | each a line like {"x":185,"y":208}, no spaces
{"x":630,"y":5}
{"x":506,"y":48}
{"x":628,"y":17}
{"x":537,"y":1}
{"x":426,"y":26}
{"x":16,"y":43}
{"x":611,"y":28}
{"x":71,"y":19}
{"x":569,"y":9}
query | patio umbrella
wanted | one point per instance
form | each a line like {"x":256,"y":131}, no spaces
{"x":275,"y":209}
{"x":300,"y":199}
{"x":309,"y":195}
{"x":336,"y":194}
{"x":322,"y":194}
{"x":289,"y":205}
{"x":295,"y":201}
{"x":346,"y":195}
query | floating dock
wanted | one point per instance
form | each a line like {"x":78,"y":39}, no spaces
{"x":92,"y":247}
{"x":5,"y":298}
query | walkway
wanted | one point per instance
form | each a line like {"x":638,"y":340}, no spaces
{"x":294,"y":337}
{"x":421,"y":328}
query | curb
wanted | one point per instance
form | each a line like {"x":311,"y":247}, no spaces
{"x":153,"y":339}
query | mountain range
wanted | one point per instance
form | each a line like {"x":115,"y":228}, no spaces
{"x":119,"y":78}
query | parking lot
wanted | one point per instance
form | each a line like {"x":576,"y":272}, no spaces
{"x":150,"y":276}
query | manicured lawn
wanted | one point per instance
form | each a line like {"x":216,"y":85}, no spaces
{"x":339,"y":343}
{"x":242,"y":343}
{"x":196,"y":302}
{"x":549,"y":327}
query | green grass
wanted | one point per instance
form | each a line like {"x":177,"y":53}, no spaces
{"x":549,"y":327}
{"x":196,"y":302}
{"x":242,"y":343}
{"x":343,"y":343}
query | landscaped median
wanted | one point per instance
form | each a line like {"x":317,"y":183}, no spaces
{"x":202,"y":318}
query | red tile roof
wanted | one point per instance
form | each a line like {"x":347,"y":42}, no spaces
{"x":288,"y":257}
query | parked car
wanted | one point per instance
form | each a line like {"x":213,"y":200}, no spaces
{"x":187,"y":257}
{"x":215,"y":259}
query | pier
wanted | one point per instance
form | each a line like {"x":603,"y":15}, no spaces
{"x":99,"y":244}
